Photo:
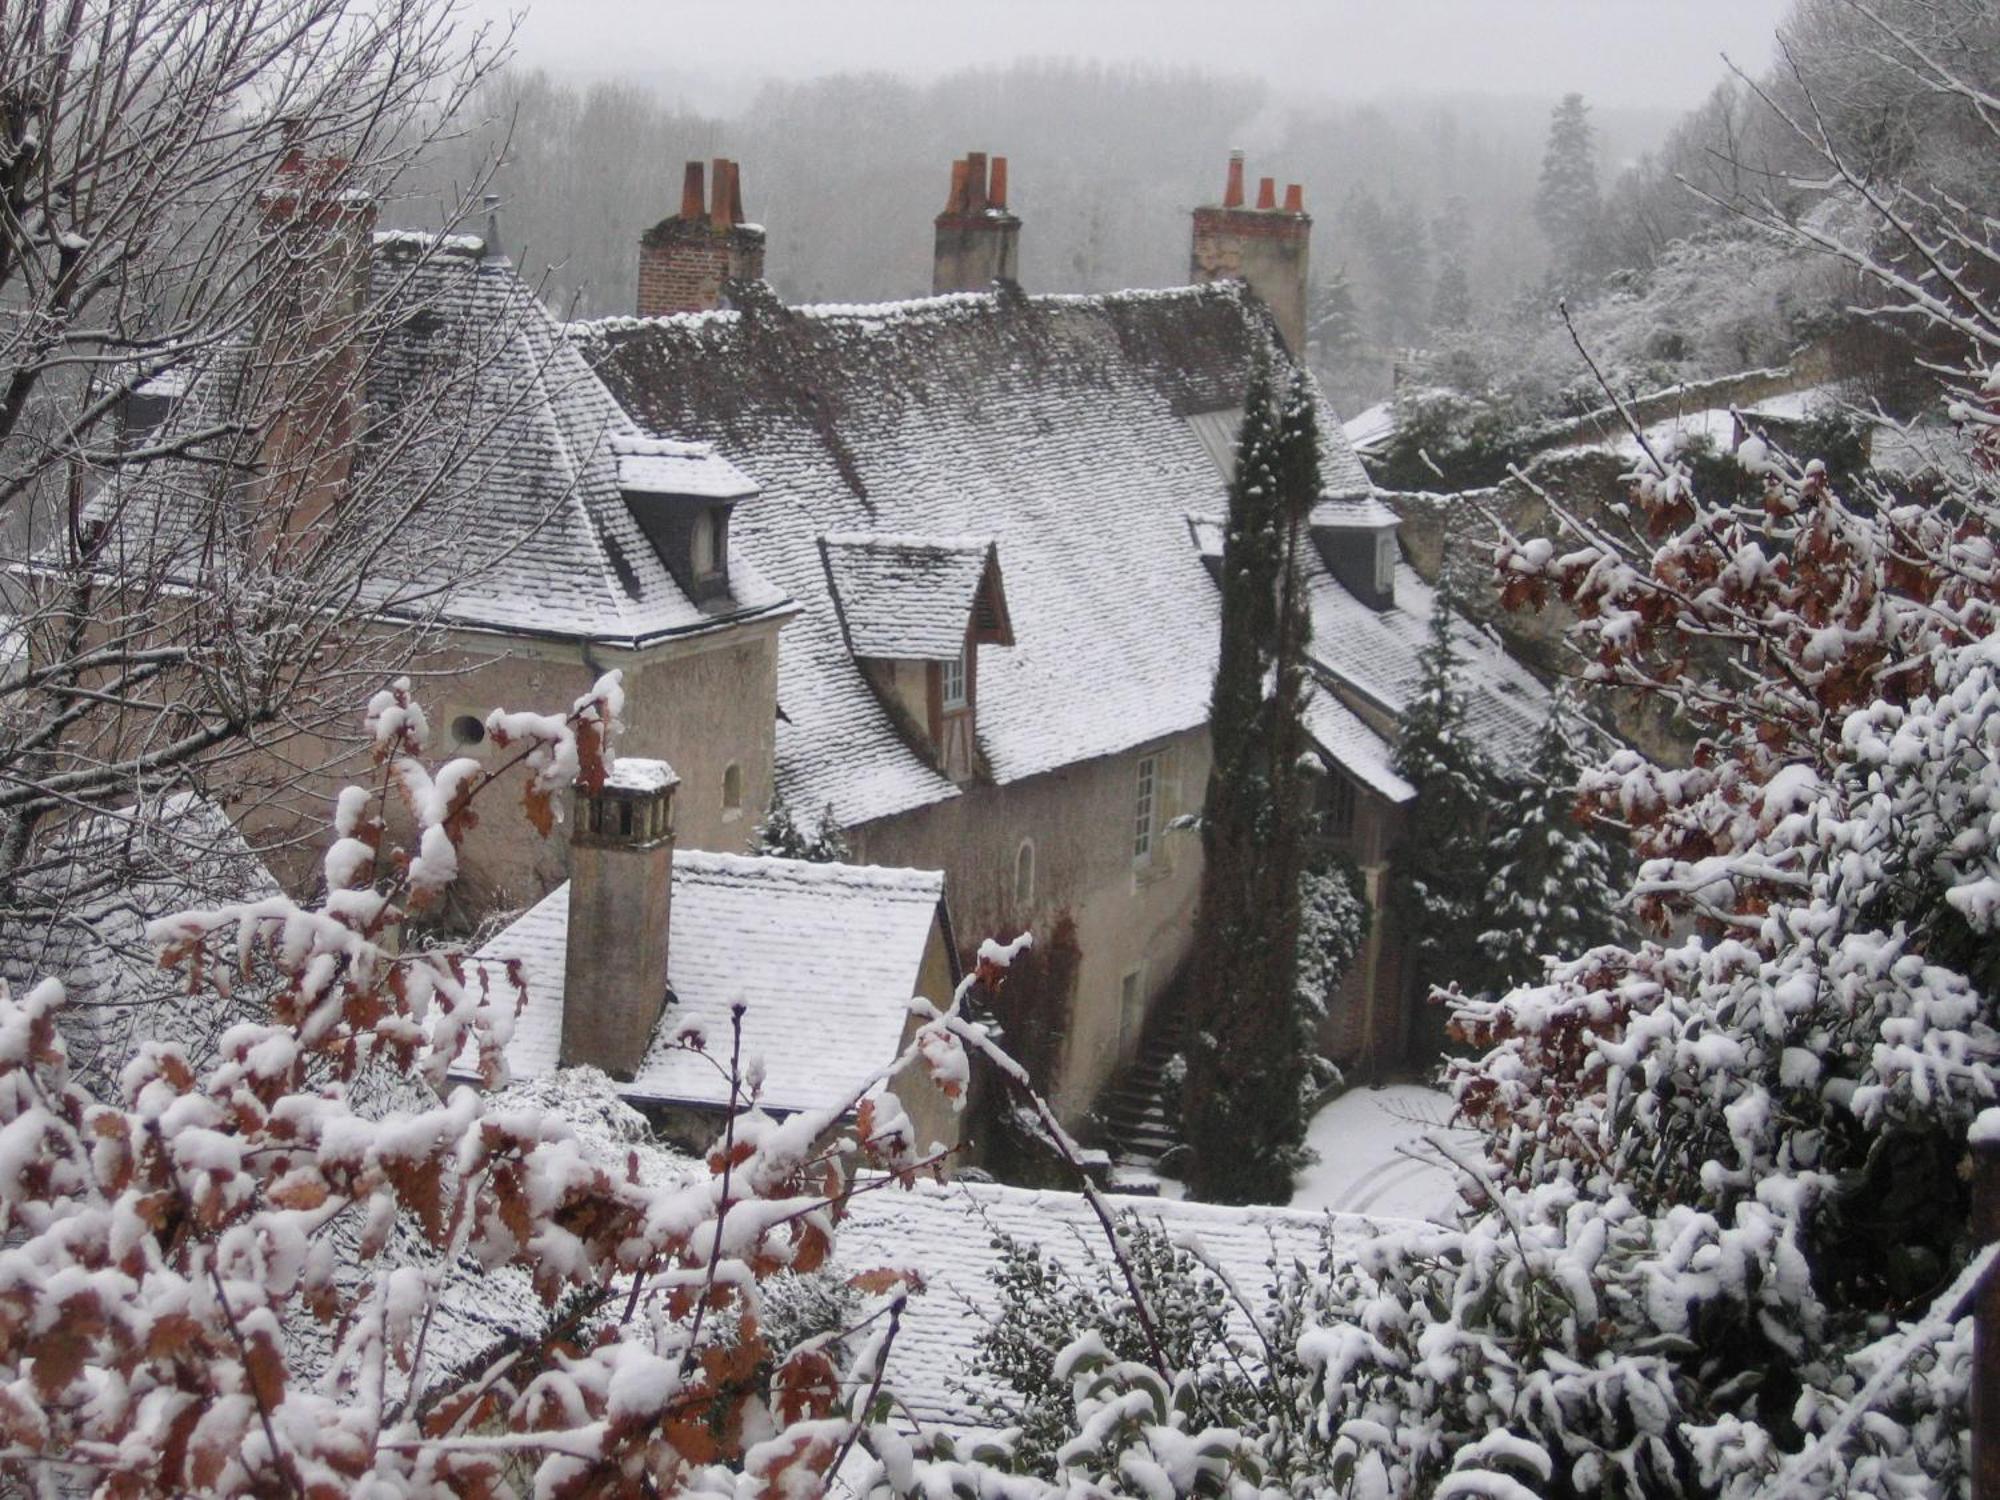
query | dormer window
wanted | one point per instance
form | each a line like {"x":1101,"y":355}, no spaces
{"x":1356,"y":538}
{"x":682,"y":496}
{"x":914,"y":611}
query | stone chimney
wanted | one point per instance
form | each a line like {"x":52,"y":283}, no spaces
{"x":1264,"y":247}
{"x":319,"y":236}
{"x":978,"y":240}
{"x":621,"y":891}
{"x":686,"y":262}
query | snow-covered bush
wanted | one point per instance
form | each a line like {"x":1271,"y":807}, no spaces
{"x":232,"y":1276}
{"x":1721,"y":1166}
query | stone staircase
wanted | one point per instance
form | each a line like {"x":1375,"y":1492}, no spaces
{"x":1138,"y":1111}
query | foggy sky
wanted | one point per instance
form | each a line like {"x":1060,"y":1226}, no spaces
{"x":1634,"y":52}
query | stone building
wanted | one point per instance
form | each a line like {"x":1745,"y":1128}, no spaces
{"x":987,"y":523}
{"x":997,"y":515}
{"x":639,"y":963}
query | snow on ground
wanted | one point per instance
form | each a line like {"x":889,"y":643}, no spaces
{"x":1364,"y":1140}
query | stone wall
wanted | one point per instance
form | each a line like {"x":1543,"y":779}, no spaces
{"x":703,"y":704}
{"x":1080,"y":819}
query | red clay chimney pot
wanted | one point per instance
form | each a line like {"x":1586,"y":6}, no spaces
{"x":694,"y":192}
{"x":955,"y":204}
{"x":996,"y":187}
{"x":1295,"y":199}
{"x":975,"y":182}
{"x":1267,"y":193}
{"x":1232,"y":193}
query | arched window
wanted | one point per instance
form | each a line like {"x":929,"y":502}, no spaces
{"x":732,"y":788}
{"x":1024,"y":874}
{"x":701,"y":547}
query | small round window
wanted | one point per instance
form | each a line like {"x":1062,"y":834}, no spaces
{"x":467,"y":730}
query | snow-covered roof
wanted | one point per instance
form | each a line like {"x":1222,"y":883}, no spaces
{"x":824,"y":957}
{"x":1370,"y":427}
{"x":1061,"y":427}
{"x":81,"y":913}
{"x":660,"y":466}
{"x":947,"y":1234}
{"x":1361,"y":512}
{"x":1374,"y":654}
{"x":1344,"y":738}
{"x":905,"y":597}
{"x":518,"y":450}
{"x":550,"y":544}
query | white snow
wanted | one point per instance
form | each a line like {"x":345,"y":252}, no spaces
{"x":1371,"y":1158}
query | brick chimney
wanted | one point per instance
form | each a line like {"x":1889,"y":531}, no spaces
{"x":621,"y":891}
{"x":1264,"y":247}
{"x":686,"y":262}
{"x":978,"y":240}
{"x":319,"y":237}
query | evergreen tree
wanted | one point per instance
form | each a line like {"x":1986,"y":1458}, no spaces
{"x":783,"y":835}
{"x":1439,"y":882}
{"x":1554,"y":888}
{"x":1333,"y":320}
{"x":1333,"y":925}
{"x":1242,"y":1096}
{"x":1567,"y":205}
{"x":1451,"y":302}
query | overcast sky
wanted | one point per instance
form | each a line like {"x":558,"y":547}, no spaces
{"x":1641,"y":52}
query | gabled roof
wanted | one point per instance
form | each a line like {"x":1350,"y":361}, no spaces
{"x":947,"y":1235}
{"x":911,"y":598}
{"x":1057,"y":426}
{"x":824,"y":957}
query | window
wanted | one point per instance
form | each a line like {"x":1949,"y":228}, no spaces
{"x":732,"y":790}
{"x":701,"y":546}
{"x":467,"y":729}
{"x":1024,"y":874}
{"x":1144,"y":805}
{"x":954,"y":681}
{"x":1385,"y":562}
{"x":1337,"y":804}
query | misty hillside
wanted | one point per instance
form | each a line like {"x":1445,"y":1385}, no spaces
{"x":847,"y":172}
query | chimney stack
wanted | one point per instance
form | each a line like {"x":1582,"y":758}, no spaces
{"x":320,"y":230}
{"x":978,"y":240}
{"x":687,"y":262}
{"x":1265,"y":247}
{"x":621,"y":891}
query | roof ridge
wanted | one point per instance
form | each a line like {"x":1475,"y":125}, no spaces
{"x":811,"y":872}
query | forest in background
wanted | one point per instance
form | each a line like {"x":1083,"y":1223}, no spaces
{"x":1447,"y":229}
{"x":846,"y":173}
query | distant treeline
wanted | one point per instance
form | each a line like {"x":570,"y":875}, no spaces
{"x":846,"y":173}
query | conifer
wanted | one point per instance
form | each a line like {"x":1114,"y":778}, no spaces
{"x":1242,"y":1100}
{"x":1440,"y":877}
{"x":1554,"y":888}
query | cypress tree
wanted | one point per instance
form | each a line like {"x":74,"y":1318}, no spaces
{"x":1242,"y":1103}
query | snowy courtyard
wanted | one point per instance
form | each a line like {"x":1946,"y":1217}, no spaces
{"x":1372,"y":1154}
